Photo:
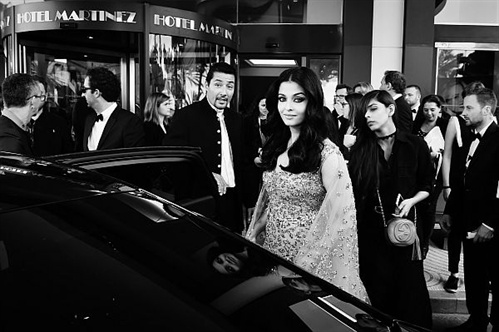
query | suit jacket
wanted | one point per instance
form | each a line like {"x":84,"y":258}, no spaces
{"x":403,"y":115}
{"x":154,"y":134}
{"x":409,"y":171}
{"x":51,"y":135}
{"x":13,"y":138}
{"x":252,"y":179}
{"x":332,"y":124}
{"x":473,"y":199}
{"x":198,"y":125}
{"x":123,"y":130}
{"x":78,"y":117}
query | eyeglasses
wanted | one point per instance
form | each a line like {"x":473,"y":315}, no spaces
{"x":42,"y":97}
{"x":84,"y":89}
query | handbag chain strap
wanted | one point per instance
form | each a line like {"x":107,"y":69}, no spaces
{"x":381,"y":207}
{"x":383,"y":211}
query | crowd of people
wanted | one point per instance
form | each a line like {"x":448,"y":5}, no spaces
{"x":318,"y":187}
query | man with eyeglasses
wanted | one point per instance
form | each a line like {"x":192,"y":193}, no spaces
{"x":22,"y":98}
{"x":50,"y":133}
{"x":110,"y":127}
{"x":335,"y":117}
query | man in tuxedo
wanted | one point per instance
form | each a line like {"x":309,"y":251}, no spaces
{"x":22,"y":98}
{"x":412,"y":95}
{"x":334,"y":118}
{"x":473,"y":206}
{"x":342,"y":91}
{"x":217,"y":129}
{"x":50,"y":133}
{"x":111,"y":127}
{"x":394,"y":82}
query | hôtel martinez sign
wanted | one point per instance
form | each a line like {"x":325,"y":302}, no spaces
{"x":53,"y":15}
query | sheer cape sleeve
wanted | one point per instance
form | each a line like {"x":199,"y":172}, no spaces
{"x":256,"y":229}
{"x":330,"y":250}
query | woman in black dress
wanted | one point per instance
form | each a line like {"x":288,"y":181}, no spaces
{"x":386,"y":164}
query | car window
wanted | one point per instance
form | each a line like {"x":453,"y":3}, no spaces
{"x":104,"y":262}
{"x":178,"y":180}
{"x":55,"y":276}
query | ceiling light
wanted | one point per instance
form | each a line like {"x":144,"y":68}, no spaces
{"x":272,"y":62}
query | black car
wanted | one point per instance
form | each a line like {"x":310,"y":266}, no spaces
{"x":84,"y":251}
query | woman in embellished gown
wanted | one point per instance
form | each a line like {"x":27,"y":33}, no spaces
{"x":306,"y":212}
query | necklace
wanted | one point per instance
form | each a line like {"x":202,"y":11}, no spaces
{"x":387,"y":136}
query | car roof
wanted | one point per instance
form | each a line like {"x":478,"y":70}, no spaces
{"x":49,"y":182}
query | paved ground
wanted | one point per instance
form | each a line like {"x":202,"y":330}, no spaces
{"x":436,"y":274}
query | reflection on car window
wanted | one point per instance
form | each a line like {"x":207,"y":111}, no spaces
{"x":180,"y":181}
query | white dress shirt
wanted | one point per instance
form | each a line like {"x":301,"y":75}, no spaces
{"x":98,"y":128}
{"x":227,"y":169}
{"x":474,"y":145}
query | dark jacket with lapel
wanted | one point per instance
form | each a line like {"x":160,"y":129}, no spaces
{"x":252,"y":179}
{"x":410,"y":171}
{"x":473,"y":199}
{"x":123,"y":130}
{"x":403,"y":115}
{"x":51,"y":135}
{"x":13,"y":138}
{"x":154,"y":134}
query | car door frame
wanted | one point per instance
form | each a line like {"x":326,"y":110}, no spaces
{"x":102,"y":159}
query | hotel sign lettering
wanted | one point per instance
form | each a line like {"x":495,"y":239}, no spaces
{"x":177,"y":22}
{"x":51,"y":15}
{"x":76,"y":16}
{"x":190,"y":24}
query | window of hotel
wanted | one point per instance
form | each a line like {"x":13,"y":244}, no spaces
{"x":462,"y":63}
{"x":179,"y":66}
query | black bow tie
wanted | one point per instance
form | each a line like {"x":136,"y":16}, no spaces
{"x":414,"y":110}
{"x":99,"y":118}
{"x":475,"y":135}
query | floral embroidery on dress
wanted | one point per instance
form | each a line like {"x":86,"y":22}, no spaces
{"x":314,"y":229}
{"x":294,"y":200}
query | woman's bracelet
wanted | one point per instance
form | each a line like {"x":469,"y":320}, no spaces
{"x":445,"y":187}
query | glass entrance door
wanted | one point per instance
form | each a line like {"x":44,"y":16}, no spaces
{"x":460,"y":64}
{"x":63,"y":60}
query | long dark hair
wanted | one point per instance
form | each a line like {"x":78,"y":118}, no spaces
{"x":364,"y":157}
{"x":305,"y":153}
{"x":356,"y":116}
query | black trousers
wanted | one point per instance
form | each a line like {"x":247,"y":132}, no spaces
{"x":480,"y":269}
{"x":395,"y":284}
{"x":454,"y":244}
{"x":230,"y":210}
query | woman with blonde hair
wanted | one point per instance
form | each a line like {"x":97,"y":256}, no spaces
{"x":158,"y":111}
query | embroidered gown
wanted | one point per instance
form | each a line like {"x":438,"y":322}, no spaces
{"x":315,"y":229}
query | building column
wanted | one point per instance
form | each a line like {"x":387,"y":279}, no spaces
{"x":387,"y":37}
{"x":357,"y":41}
{"x":419,"y":44}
